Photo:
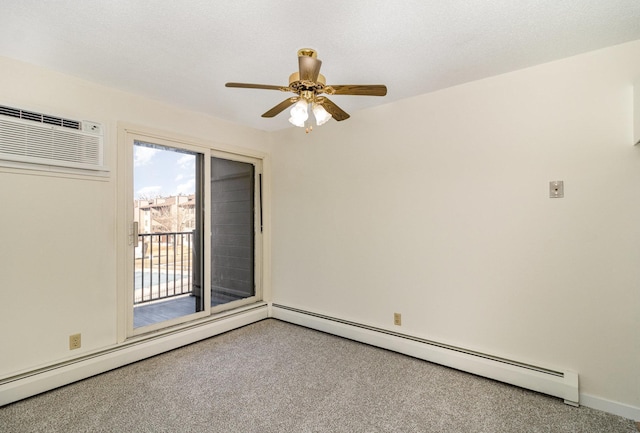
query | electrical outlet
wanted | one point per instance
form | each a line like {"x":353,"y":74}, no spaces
{"x":397,"y":319}
{"x":75,"y":341}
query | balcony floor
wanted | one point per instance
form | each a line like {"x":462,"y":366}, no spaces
{"x":172,"y":308}
{"x":148,"y":314}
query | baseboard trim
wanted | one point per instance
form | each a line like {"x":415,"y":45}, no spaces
{"x":562,"y":384}
{"x":613,"y":407}
{"x":44,"y":379}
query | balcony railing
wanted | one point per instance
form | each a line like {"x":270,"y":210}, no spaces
{"x":163,"y":266}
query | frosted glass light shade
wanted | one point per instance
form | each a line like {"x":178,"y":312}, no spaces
{"x":321,"y":115}
{"x":296,"y":122}
{"x":299,"y":114}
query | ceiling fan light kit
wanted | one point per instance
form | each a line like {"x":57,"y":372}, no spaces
{"x":299,"y":114}
{"x":309,"y":84}
{"x":322,"y":116}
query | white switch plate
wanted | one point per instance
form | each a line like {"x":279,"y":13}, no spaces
{"x":556,"y":189}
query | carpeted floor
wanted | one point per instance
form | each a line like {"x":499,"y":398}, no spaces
{"x":276,"y":377}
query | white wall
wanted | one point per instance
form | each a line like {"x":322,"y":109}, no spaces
{"x":437,"y":207}
{"x":58,"y":255}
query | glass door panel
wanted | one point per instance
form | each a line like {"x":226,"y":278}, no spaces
{"x":168,"y":271}
{"x":232,"y":231}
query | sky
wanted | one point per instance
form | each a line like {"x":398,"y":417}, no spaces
{"x":162,"y":173}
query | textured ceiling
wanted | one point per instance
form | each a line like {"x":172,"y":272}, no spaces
{"x":183,"y":51}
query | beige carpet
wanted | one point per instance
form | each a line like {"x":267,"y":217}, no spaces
{"x":276,"y":377}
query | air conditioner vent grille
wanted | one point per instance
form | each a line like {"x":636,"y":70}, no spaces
{"x":8,"y":111}
{"x":38,"y":117}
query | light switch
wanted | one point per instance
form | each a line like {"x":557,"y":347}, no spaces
{"x":556,"y":189}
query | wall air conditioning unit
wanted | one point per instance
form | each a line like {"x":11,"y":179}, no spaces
{"x":48,"y":142}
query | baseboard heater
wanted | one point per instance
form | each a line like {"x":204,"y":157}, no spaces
{"x":561,"y":384}
{"x":49,"y":377}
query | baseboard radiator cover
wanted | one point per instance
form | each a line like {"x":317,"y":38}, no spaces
{"x":561,"y":384}
{"x":44,"y":379}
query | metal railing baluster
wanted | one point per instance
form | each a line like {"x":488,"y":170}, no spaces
{"x":173,"y":242}
{"x":189,"y":263}
{"x":151,"y":266}
{"x":179,"y":262}
{"x":166,"y":258}
{"x":142,"y":274}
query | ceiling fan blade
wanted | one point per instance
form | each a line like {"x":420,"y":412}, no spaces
{"x":280,"y":107}
{"x":359,"y":89}
{"x":309,"y":68}
{"x":336,"y":112}
{"x":257,"y":86}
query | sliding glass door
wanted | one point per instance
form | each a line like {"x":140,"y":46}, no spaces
{"x":195,"y":235}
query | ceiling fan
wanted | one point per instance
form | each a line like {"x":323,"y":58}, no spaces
{"x":309,"y":85}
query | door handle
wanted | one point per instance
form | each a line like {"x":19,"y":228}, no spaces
{"x":136,"y":239}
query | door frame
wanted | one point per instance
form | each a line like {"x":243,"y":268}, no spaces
{"x":127,"y":135}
